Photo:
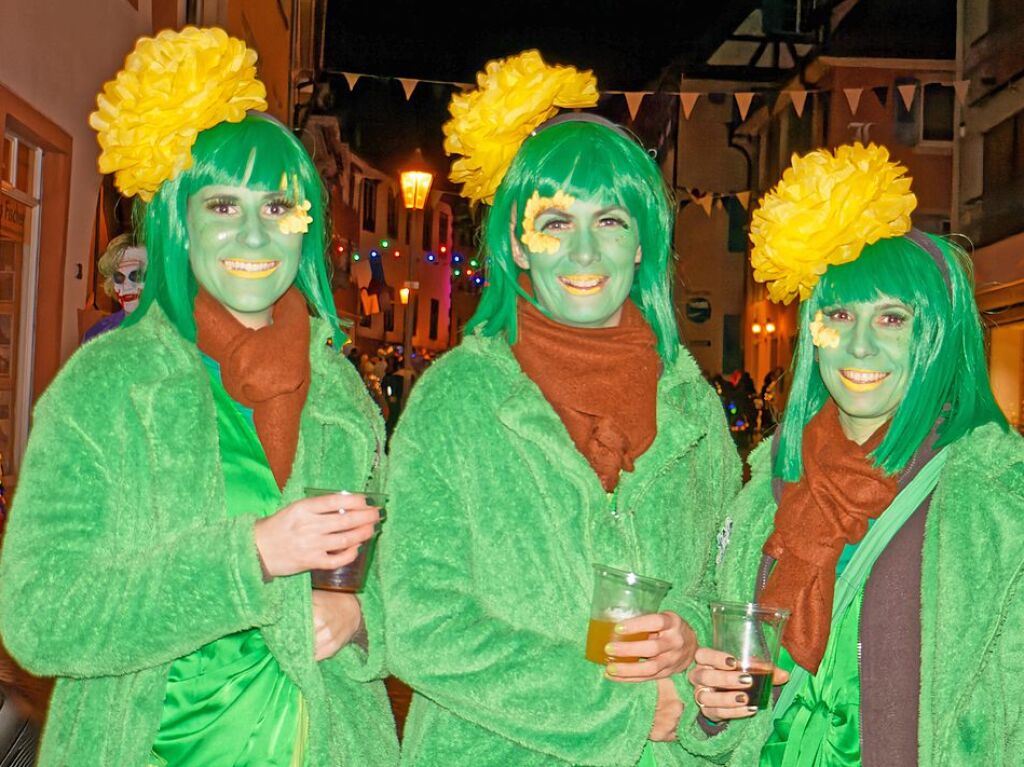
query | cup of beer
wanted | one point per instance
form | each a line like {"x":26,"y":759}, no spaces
{"x":619,"y":595}
{"x":750,"y":633}
{"x":352,"y":576}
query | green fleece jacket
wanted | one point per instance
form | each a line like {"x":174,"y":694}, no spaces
{"x":119,"y":556}
{"x":495,"y":521}
{"x":972,"y":606}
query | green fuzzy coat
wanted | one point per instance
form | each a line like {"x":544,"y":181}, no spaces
{"x":972,"y":606}
{"x":495,"y":520}
{"x":120,"y":558}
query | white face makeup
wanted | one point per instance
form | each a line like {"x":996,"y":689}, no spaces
{"x":129,"y":278}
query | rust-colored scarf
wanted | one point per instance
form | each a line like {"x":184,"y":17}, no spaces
{"x":602,"y":382}
{"x":829,"y":507}
{"x":266,"y":369}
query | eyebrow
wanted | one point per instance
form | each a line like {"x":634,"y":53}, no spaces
{"x":896,"y":305}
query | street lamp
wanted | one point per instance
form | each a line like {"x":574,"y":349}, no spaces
{"x":416,"y":180}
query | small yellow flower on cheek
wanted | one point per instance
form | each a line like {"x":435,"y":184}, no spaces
{"x":297,"y":220}
{"x":539,"y":242}
{"x":821,"y":336}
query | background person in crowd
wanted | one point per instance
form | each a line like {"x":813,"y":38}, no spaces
{"x":123,"y":268}
{"x":590,"y":437}
{"x":887,"y":513}
{"x":165,"y":583}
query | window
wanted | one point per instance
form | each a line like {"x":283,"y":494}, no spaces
{"x":392,"y":215}
{"x":428,"y":228}
{"x":370,"y":205}
{"x":442,"y":228}
{"x":1004,"y":155}
{"x":435,"y":313}
{"x":937,"y":115}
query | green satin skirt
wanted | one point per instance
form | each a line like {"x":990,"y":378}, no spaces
{"x":229,"y":704}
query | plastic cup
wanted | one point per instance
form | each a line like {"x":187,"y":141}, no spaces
{"x":352,"y":576}
{"x":619,"y":595}
{"x":750,"y":633}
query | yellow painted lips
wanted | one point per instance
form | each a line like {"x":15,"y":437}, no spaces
{"x":583,"y":284}
{"x":860,"y":380}
{"x":249,"y":269}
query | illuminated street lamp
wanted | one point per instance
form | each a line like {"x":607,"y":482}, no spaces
{"x":416,"y":181}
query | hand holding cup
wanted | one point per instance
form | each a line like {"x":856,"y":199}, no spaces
{"x":321,"y":532}
{"x":668,"y":648}
{"x":722,"y":689}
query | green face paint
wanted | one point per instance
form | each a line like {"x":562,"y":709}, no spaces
{"x":867,"y":372}
{"x":585,"y":280}
{"x":238,"y":251}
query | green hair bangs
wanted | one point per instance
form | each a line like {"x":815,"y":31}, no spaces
{"x":948,"y":376}
{"x":586,"y":160}
{"x":259,"y":153}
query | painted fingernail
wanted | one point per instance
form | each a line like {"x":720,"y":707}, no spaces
{"x":752,"y":709}
{"x":612,"y":669}
{"x":746,"y":679}
{"x":741,"y":698}
{"x":730,"y":662}
{"x":609,"y":649}
{"x":620,"y":629}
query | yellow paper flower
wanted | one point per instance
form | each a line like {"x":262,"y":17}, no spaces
{"x":824,"y":211}
{"x":821,"y":336}
{"x":538,"y":242}
{"x":171,"y":87}
{"x":513,"y":97}
{"x":297,"y":220}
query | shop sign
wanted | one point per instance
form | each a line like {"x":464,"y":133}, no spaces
{"x":13,"y":215}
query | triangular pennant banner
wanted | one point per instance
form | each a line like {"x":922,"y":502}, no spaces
{"x":960,"y":86}
{"x":408,"y":85}
{"x":799,"y":99}
{"x":706,"y":201}
{"x":907,"y":94}
{"x":351,"y":79}
{"x":853,"y":98}
{"x":633,"y":99}
{"x":743,"y":100}
{"x":881,"y":93}
{"x":744,"y":199}
{"x":688,"y":100}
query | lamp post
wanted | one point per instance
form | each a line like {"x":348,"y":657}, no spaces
{"x":416,"y":182}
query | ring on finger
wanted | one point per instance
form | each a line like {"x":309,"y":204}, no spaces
{"x":698,"y":692}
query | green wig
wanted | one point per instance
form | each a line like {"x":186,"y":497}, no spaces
{"x":256,"y":152}
{"x":948,"y":378}
{"x":586,"y":160}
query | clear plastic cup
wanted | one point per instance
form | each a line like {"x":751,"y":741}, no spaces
{"x":751,"y":634}
{"x":619,"y":595}
{"x":350,"y":577}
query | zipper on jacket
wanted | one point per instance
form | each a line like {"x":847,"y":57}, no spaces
{"x":860,"y":680}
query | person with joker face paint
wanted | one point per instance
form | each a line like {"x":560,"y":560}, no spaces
{"x":887,"y":514}
{"x":123,"y":266}
{"x":176,"y":610}
{"x":591,"y":437}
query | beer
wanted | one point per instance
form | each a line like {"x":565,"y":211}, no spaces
{"x":760,"y":691}
{"x":600,"y":633}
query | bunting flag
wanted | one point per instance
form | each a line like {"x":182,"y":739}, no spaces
{"x":744,"y":199}
{"x":853,"y":98}
{"x":743,"y":100}
{"x":961,"y":86}
{"x":633,"y":99}
{"x":799,"y":99}
{"x":881,"y":93}
{"x":907,"y":94}
{"x":408,"y":85}
{"x":689,"y":100}
{"x":351,"y":79}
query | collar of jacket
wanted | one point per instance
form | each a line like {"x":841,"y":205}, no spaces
{"x":527,"y":413}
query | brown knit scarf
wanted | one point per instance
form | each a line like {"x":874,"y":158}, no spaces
{"x":829,"y":507}
{"x":266,"y":369}
{"x":602,"y":382}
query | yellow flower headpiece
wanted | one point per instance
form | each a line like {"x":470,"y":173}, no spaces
{"x":171,"y":87}
{"x":513,"y":97}
{"x":824,"y":211}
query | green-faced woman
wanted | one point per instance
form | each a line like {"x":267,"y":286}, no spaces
{"x":887,"y":514}
{"x":158,"y":554}
{"x":568,"y":429}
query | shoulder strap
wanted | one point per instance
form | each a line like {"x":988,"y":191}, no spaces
{"x":849,"y":584}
